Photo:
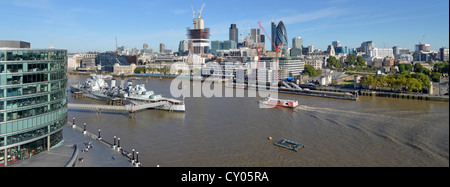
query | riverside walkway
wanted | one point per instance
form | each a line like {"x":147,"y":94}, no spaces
{"x":101,"y":155}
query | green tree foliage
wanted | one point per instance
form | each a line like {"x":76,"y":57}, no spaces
{"x":436,"y":76}
{"x":404,"y":68}
{"x":413,"y":84}
{"x":351,"y":60}
{"x":309,"y":70}
{"x":400,"y":82}
{"x":139,"y":70}
{"x":360,"y":61}
{"x":424,"y":79}
{"x":418,"y":68}
{"x":441,"y":67}
{"x":333,"y":63}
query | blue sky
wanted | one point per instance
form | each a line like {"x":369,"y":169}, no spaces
{"x":92,"y":25}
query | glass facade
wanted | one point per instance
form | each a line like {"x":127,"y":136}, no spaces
{"x":281,"y":36}
{"x":33,"y":101}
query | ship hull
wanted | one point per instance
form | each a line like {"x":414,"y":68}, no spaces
{"x":280,"y":103}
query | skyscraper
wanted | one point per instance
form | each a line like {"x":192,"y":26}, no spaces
{"x":444,"y":54}
{"x":367,"y":46}
{"x":183,"y":47}
{"x":162,"y":48}
{"x":199,"y":35}
{"x":336,"y":44}
{"x":234,"y":33}
{"x":274,"y":31}
{"x":297,"y":42}
{"x":280,"y":37}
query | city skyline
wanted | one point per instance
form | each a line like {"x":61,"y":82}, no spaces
{"x":82,"y":26}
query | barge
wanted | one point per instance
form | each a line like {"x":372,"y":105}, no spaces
{"x":289,"y":144}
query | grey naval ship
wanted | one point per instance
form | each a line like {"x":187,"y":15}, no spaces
{"x":96,"y":87}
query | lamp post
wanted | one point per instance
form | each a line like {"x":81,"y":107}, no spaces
{"x":118,"y":144}
{"x":114,"y":145}
{"x":99,"y":137}
{"x":132,"y":158}
{"x":137,"y":159}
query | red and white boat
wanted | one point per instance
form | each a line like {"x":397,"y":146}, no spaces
{"x":280,"y":102}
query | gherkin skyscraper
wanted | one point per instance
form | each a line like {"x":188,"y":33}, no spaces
{"x":281,"y":36}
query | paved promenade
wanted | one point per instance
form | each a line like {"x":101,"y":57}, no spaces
{"x":100,"y":155}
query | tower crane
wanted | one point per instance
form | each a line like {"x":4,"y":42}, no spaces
{"x":201,"y":10}
{"x":117,"y":52}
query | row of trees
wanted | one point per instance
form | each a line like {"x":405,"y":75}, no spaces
{"x":350,"y":61}
{"x":405,"y":81}
{"x":163,"y":70}
{"x":399,"y":83}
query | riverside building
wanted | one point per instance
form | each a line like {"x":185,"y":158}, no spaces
{"x":33,"y":103}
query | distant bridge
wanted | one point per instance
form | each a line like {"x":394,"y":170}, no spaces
{"x":132,"y":109}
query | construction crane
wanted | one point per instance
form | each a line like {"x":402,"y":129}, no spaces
{"x":117,"y":48}
{"x":201,"y":10}
{"x":423,"y":37}
{"x":117,"y":52}
{"x":277,"y":49}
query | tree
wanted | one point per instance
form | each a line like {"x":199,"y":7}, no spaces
{"x":311,"y":71}
{"x":424,"y":79}
{"x":333,"y":62}
{"x":360,"y":61}
{"x":418,"y":68}
{"x":351,"y":60}
{"x":401,"y":68}
{"x":139,"y":70}
{"x":413,"y":84}
{"x":408,"y":67}
{"x":404,"y":68}
{"x":441,"y":67}
{"x":436,"y":76}
{"x":367,"y":81}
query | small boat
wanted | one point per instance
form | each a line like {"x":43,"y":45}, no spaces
{"x":289,"y":144}
{"x":280,"y":102}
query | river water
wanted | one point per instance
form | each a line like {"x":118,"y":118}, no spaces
{"x":233,"y":132}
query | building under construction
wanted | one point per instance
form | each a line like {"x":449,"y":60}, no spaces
{"x":199,"y":35}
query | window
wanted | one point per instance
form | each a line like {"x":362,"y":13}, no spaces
{"x":2,"y":56}
{"x":8,"y":56}
{"x":11,"y":92}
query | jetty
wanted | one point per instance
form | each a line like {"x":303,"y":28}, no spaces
{"x":131,"y":109}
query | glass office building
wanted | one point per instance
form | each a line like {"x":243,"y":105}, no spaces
{"x":33,"y":103}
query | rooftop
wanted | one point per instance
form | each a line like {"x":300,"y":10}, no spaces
{"x":14,"y":44}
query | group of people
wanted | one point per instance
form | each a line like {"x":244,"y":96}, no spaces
{"x":89,"y":146}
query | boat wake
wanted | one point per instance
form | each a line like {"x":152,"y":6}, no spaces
{"x":415,"y":134}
